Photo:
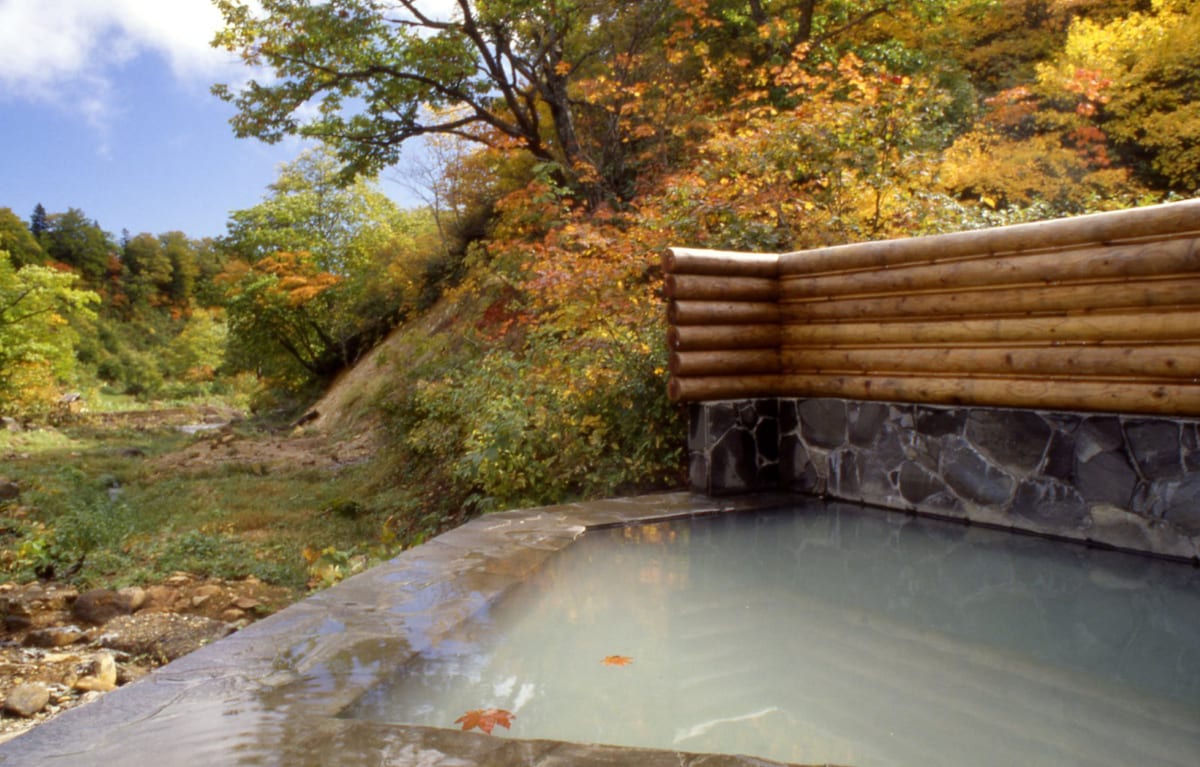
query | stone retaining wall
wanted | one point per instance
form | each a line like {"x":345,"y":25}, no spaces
{"x":1131,"y":482}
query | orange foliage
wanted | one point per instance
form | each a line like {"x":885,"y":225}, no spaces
{"x":486,"y":719}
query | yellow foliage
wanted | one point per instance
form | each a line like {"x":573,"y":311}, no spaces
{"x":1147,"y":63}
{"x":1006,"y":171}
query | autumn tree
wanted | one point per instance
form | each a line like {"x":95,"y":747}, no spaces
{"x":999,"y":44}
{"x":318,"y":272}
{"x":838,"y":152}
{"x":366,"y":76}
{"x":37,"y":341}
{"x":1150,"y":104}
{"x":278,"y":318}
{"x":1109,"y":119}
{"x":160,"y":328}
{"x":209,"y":260}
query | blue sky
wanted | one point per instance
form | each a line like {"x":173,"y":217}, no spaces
{"x":105,"y":106}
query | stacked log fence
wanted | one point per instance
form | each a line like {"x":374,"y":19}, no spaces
{"x":1095,"y":313}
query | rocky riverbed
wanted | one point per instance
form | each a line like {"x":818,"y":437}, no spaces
{"x":60,"y":648}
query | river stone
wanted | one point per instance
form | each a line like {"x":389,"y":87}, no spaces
{"x":165,"y":636}
{"x":135,"y":597}
{"x":1060,"y":457}
{"x":866,"y":420}
{"x":1184,"y":507}
{"x":27,"y":699}
{"x":1015,"y":439}
{"x":1107,"y":478}
{"x":1097,"y":435}
{"x":789,"y":417}
{"x":846,"y":474}
{"x":917,"y":483}
{"x":938,"y":422}
{"x":732,"y":458}
{"x":1047,"y":502}
{"x":99,"y":606}
{"x":971,"y":477}
{"x":98,"y":674}
{"x":1155,"y":446}
{"x":54,"y":636}
{"x":36,"y":606}
{"x":720,"y":419}
{"x":130,"y":672}
{"x":796,"y":468}
{"x":159,"y":598}
{"x":874,"y":472}
{"x":823,"y":422}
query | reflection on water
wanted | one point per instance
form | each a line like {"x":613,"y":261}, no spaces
{"x":833,"y":634}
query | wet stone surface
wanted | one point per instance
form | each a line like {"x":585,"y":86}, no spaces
{"x":742,"y":450}
{"x":271,"y":693}
{"x":1132,"y":482}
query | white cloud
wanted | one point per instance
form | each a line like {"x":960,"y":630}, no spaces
{"x":69,"y":45}
{"x":49,"y":43}
{"x":70,"y":53}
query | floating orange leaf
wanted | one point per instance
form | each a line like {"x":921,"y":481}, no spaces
{"x":486,"y":718}
{"x":617,"y":660}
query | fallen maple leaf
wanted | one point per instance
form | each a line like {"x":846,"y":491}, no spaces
{"x":617,"y":660}
{"x":486,"y":718}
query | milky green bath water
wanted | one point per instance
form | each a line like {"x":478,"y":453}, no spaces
{"x":832,"y":634}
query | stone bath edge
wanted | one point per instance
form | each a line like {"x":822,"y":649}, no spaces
{"x":262,"y":696}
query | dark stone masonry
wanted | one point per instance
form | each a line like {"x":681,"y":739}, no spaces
{"x":1125,"y":481}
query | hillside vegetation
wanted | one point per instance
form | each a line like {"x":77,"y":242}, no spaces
{"x":504,"y":345}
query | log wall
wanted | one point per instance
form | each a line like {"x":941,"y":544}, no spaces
{"x":1095,"y":313}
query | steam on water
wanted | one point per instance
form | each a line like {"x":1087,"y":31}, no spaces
{"x":833,"y":634}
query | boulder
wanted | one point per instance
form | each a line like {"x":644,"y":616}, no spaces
{"x":99,"y":606}
{"x":98,"y":674}
{"x":54,"y":636}
{"x":135,"y":597}
{"x":163,"y":636}
{"x":27,"y":699}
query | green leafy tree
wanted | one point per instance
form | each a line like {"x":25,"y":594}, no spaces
{"x":18,"y":241}
{"x":75,"y":240}
{"x":37,"y":342}
{"x":309,"y":208}
{"x":368,"y":75}
{"x":318,"y":272}
{"x":148,"y":268}
{"x":185,"y":269}
{"x":198,"y":351}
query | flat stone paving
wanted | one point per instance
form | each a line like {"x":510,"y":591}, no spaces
{"x":271,"y":693}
